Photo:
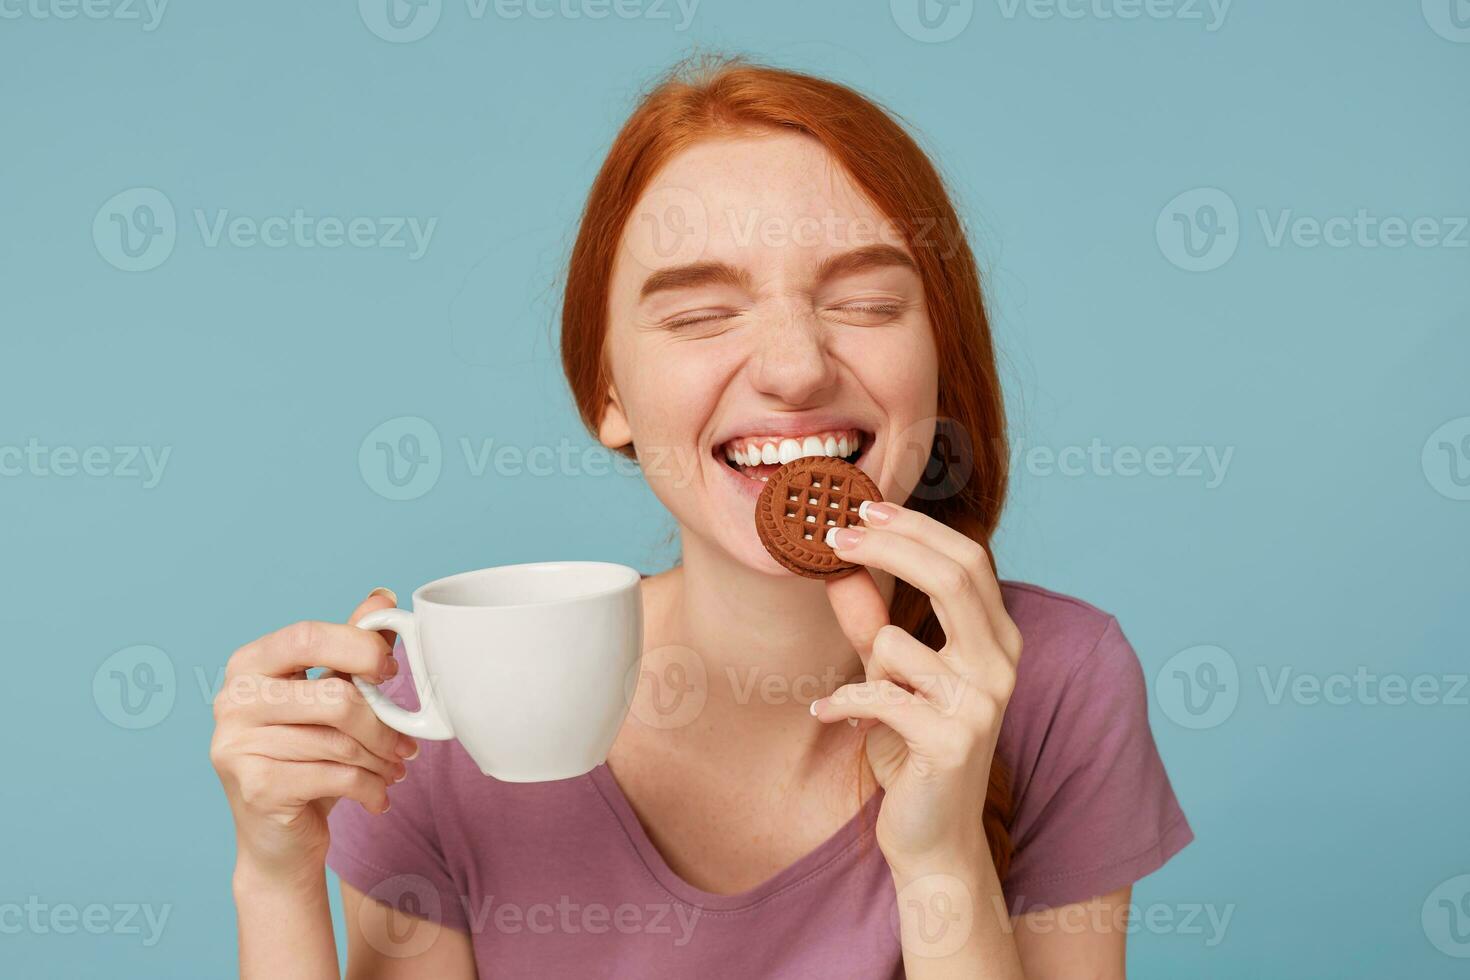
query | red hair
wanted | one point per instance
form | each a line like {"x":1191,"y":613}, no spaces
{"x":723,"y":97}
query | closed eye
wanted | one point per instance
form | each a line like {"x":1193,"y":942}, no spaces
{"x":686,"y":320}
{"x":868,"y":313}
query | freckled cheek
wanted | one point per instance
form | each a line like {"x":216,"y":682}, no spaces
{"x":672,"y":399}
{"x":898,"y":371}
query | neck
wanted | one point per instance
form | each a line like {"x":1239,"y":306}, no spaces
{"x":769,"y":645}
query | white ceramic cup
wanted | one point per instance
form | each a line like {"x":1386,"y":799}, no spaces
{"x":526,"y":665}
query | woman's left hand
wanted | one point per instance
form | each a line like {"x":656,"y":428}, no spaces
{"x":935,"y":714}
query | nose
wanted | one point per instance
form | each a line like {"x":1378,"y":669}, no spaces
{"x":792,"y":363}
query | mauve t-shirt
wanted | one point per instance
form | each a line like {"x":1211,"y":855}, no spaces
{"x":560,"y":880}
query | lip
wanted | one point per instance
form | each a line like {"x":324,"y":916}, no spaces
{"x":789,"y":425}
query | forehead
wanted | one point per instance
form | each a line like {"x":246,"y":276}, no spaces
{"x":750,"y":191}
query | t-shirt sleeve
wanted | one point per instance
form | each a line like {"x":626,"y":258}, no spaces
{"x":1096,"y":812}
{"x":396,"y":857}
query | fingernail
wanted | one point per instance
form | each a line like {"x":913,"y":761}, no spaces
{"x":386,"y":807}
{"x":391,"y":668}
{"x":407,"y":748}
{"x":384,"y":590}
{"x":402,"y":773}
{"x":853,"y":722}
{"x":839,"y":538}
{"x":876,"y":511}
{"x":814,"y":706}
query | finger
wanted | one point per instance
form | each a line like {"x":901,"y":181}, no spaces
{"x":289,"y":651}
{"x":319,"y":743}
{"x":899,"y":657}
{"x":960,"y":548}
{"x":860,"y":609}
{"x":267,"y":785}
{"x":946,"y":582}
{"x":903,"y":711}
{"x":380,"y":598}
{"x":331,"y":701}
{"x":304,"y":782}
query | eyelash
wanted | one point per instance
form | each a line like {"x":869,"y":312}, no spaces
{"x":886,"y":309}
{"x":691,"y":321}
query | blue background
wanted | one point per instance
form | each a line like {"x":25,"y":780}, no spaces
{"x":1336,"y":540}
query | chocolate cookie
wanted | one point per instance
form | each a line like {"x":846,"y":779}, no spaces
{"x":803,"y":500}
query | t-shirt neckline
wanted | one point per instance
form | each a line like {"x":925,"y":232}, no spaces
{"x":802,"y":871}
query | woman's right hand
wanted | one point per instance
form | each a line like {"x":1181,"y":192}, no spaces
{"x":287,"y":748}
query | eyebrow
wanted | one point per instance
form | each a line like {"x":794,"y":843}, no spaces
{"x":723,"y":274}
{"x":861,"y":259}
{"x":694,"y":274}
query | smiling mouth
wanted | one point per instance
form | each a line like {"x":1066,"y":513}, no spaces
{"x":757,"y":457}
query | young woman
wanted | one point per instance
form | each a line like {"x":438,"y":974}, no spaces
{"x":864,"y":778}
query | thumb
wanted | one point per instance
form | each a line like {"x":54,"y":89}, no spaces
{"x":379,"y":598}
{"x":860,"y":609}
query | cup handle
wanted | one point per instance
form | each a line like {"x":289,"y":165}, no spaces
{"x":427,"y":722}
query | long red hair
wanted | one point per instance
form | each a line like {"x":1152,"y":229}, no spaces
{"x":721,"y":97}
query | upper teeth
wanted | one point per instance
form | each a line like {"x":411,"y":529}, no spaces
{"x":753,"y":450}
